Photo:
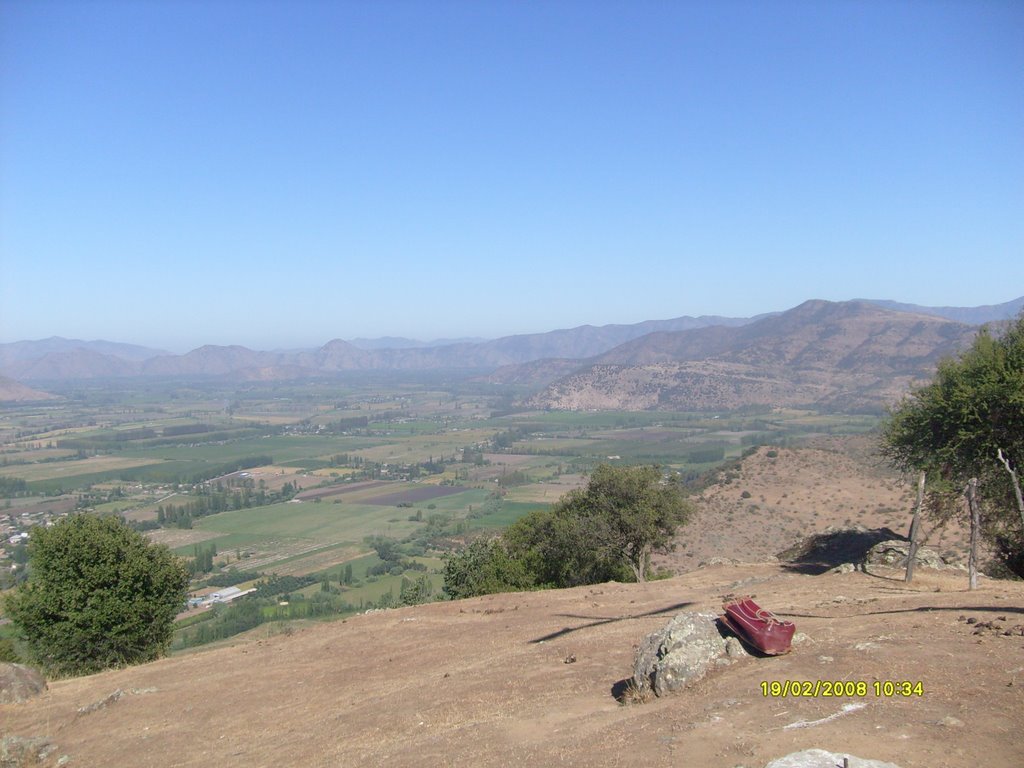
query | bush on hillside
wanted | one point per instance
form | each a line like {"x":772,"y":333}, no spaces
{"x":99,"y":595}
{"x":603,"y":532}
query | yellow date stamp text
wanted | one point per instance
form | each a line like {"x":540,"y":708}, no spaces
{"x":810,"y":689}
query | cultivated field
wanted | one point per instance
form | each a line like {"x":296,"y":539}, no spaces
{"x":306,"y":480}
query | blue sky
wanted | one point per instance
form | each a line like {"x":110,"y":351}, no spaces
{"x":278,"y":174}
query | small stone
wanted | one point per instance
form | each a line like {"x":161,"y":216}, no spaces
{"x":819,"y":758}
{"x":734,"y":648}
{"x":15,"y":750}
{"x":951,"y":722}
{"x":19,"y":683}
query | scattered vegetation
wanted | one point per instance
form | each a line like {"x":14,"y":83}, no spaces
{"x":390,"y":474}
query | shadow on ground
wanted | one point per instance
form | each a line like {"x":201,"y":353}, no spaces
{"x":823,"y":551}
{"x":599,"y":620}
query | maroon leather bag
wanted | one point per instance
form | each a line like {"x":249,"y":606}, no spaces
{"x":759,"y":627}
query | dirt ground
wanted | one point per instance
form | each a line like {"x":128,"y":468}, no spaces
{"x":780,"y":495}
{"x":531,"y":678}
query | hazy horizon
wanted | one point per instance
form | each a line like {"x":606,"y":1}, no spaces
{"x":277,"y":174}
{"x":374,"y":342}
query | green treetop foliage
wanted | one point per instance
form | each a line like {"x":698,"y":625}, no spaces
{"x":603,"y":532}
{"x":627,"y":512}
{"x":973,"y":407}
{"x":99,"y":595}
{"x":483,"y":568}
{"x":955,"y":427}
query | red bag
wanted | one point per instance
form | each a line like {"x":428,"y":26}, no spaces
{"x":758,"y":627}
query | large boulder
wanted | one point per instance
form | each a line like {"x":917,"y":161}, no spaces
{"x":19,"y":683}
{"x":682,"y":652}
{"x":894,"y":553}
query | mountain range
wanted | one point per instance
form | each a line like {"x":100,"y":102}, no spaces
{"x":852,"y":354}
{"x":61,"y":359}
{"x":849,"y":356}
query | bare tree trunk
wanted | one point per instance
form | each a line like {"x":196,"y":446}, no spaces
{"x":1016,"y":483}
{"x":914,"y":525}
{"x":972,"y":560}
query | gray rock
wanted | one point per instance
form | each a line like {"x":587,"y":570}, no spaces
{"x":102,"y":703}
{"x":819,"y":758}
{"x":17,"y":751}
{"x":19,"y":683}
{"x":717,"y":561}
{"x":894,"y":553}
{"x":681,"y":653}
{"x":844,"y":568}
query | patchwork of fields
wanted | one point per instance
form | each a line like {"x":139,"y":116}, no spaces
{"x":323,"y":483}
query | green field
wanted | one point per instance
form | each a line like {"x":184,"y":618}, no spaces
{"x":318,"y":437}
{"x":319,"y":521}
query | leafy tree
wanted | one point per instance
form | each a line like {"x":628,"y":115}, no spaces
{"x":415,"y":591}
{"x":603,"y":532}
{"x":626,"y":513}
{"x":483,"y":568}
{"x":387,"y":549}
{"x":968,"y":422}
{"x":99,"y":595}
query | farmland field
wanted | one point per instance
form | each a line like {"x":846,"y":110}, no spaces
{"x":322,"y":521}
{"x":369,"y":480}
{"x":68,"y":470}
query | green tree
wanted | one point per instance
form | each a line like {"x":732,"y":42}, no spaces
{"x":99,"y":595}
{"x":627,"y":513}
{"x":483,"y":568}
{"x":603,"y":532}
{"x":968,"y":422}
{"x":415,"y":591}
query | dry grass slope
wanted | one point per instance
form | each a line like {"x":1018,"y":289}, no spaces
{"x":532,"y":678}
{"x":485,"y":682}
{"x":778,"y":496}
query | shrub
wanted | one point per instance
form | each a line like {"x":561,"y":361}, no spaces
{"x":99,"y":595}
{"x":604,"y":532}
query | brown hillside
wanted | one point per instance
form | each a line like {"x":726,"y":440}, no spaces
{"x":532,"y":678}
{"x":12,"y":391}
{"x":837,"y":482}
{"x":528,"y":679}
{"x":847,"y":356}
